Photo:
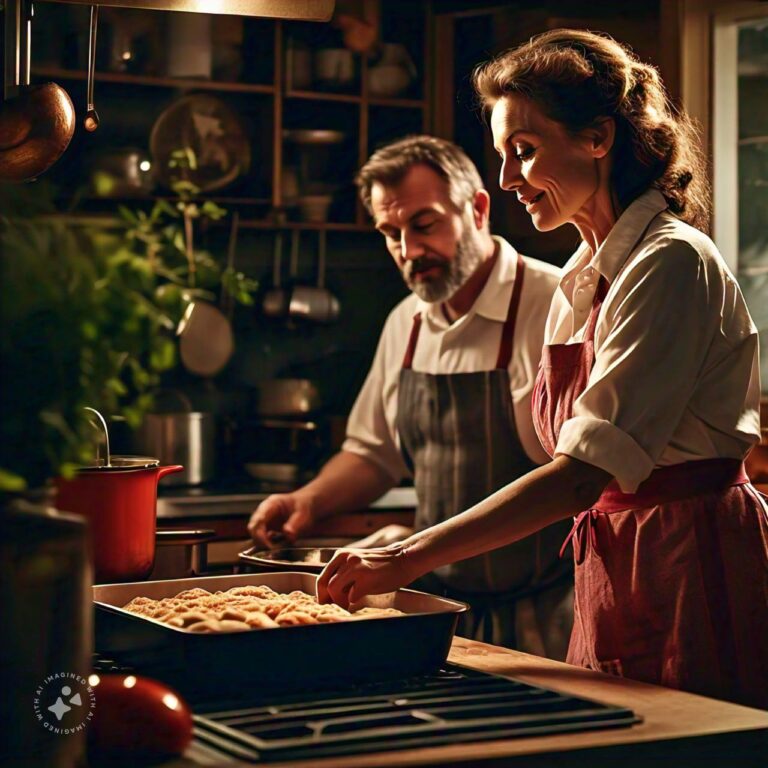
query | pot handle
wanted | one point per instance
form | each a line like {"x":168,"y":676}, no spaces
{"x":169,"y":470}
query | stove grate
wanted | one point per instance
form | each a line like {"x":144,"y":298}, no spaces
{"x":456,"y":705}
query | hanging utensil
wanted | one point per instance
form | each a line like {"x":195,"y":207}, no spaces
{"x":37,"y":122}
{"x":206,"y":340}
{"x":91,"y":120}
{"x":275,"y":301}
{"x":315,"y":303}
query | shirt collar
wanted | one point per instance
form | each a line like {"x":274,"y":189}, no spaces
{"x":625,"y":234}
{"x":493,"y":301}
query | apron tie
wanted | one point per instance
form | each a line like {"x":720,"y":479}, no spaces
{"x":583,"y":522}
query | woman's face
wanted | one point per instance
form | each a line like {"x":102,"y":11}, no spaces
{"x":553,"y":172}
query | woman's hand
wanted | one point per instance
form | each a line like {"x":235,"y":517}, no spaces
{"x":354,"y":573}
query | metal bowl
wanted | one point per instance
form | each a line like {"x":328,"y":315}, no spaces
{"x":301,"y":559}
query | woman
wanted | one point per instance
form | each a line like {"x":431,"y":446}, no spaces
{"x":647,"y":396}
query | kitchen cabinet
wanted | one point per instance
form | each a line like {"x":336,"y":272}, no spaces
{"x":312,"y":109}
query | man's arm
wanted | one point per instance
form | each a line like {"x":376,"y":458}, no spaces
{"x":347,"y":482}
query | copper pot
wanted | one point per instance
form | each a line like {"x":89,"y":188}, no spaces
{"x":35,"y":128}
{"x":37,"y":122}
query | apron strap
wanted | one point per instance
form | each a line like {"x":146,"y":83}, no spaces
{"x":414,"y":337}
{"x":508,"y":332}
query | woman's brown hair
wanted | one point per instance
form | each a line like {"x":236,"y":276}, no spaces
{"x":578,"y":77}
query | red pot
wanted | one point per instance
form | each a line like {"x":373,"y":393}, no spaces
{"x":119,"y":503}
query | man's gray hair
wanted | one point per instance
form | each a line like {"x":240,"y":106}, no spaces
{"x":389,"y":165}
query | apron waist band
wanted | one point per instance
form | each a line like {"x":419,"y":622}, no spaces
{"x":663,"y":486}
{"x":674,"y":483}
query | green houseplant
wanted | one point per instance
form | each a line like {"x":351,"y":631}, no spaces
{"x":88,"y":318}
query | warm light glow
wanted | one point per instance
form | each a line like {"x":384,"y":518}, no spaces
{"x":129,"y":681}
{"x":127,"y":56}
{"x":307,"y":10}
{"x":170,"y":701}
{"x":94,"y":680}
{"x":145,"y":165}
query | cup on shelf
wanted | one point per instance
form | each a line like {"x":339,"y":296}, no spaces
{"x":315,"y":208}
{"x":393,"y":73}
{"x":334,"y":67}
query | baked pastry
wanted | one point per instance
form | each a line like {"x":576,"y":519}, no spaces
{"x":243,"y":608}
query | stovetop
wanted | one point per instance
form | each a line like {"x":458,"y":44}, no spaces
{"x":454,"y":705}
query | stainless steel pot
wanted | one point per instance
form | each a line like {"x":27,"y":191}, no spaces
{"x":287,"y":397}
{"x":181,"y":437}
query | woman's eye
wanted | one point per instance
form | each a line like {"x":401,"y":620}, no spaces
{"x":523,"y":153}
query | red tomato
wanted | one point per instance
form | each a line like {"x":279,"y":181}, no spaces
{"x":138,"y":716}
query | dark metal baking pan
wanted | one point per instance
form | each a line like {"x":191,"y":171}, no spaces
{"x":285,"y":658}
{"x":296,"y":559}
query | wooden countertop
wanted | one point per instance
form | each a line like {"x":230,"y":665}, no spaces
{"x":676,"y":729}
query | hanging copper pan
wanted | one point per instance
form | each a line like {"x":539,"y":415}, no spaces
{"x":37,"y":124}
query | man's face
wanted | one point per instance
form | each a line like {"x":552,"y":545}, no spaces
{"x":435,"y":246}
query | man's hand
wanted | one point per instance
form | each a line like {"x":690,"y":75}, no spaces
{"x":280,"y":518}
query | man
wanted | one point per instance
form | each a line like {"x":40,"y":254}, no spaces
{"x":447,"y":399}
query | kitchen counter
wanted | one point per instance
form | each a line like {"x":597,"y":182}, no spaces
{"x":226,"y":513}
{"x":193,"y":503}
{"x":676,"y":729}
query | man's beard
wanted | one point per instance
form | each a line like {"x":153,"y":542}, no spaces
{"x":454,"y":273}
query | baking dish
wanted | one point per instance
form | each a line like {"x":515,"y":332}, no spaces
{"x":284,"y":658}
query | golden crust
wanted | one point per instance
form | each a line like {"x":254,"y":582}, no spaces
{"x":244,"y":608}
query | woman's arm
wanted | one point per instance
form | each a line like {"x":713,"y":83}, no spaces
{"x":558,"y":490}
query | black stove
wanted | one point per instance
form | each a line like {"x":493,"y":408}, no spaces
{"x":452,"y":706}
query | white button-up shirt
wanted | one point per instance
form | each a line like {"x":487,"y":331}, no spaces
{"x":468,"y":345}
{"x":676,"y":374}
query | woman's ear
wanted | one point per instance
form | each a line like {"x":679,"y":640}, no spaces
{"x":481,"y":208}
{"x":601,"y":136}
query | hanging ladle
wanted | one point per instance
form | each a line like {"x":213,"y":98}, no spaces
{"x":91,"y":120}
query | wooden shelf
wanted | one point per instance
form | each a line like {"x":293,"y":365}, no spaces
{"x":351,"y":98}
{"x":107,"y":220}
{"x":320,"y":226}
{"x":138,"y":199}
{"x":392,"y":101}
{"x":345,"y":98}
{"x":152,"y":81}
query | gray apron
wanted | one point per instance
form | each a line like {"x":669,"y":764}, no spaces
{"x":458,"y":436}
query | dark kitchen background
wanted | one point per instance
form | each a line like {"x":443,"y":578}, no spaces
{"x":282,"y":114}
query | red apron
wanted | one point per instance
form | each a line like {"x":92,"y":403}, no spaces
{"x":671,"y":581}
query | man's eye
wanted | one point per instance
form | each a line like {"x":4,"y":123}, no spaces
{"x":425,"y":226}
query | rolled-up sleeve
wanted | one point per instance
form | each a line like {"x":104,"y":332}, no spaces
{"x":650,"y":346}
{"x":371,"y":428}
